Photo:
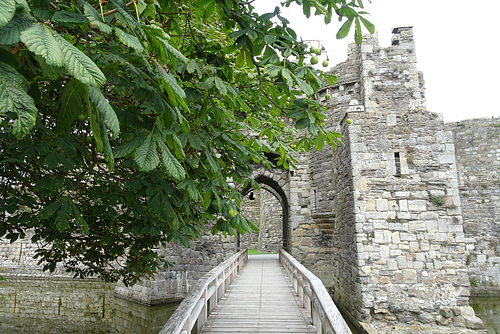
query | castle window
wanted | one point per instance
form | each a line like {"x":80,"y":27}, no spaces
{"x":397,"y":162}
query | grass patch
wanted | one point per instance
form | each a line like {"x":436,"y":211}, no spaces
{"x":438,"y":200}
{"x":256,"y":252}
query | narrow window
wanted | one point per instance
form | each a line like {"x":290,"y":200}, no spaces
{"x":397,"y":162}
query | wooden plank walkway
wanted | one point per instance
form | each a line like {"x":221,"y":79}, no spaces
{"x":260,"y":300}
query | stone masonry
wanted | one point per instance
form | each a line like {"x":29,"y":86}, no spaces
{"x":401,"y":222}
{"x":386,"y":229}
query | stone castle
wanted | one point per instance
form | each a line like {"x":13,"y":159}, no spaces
{"x":401,"y":223}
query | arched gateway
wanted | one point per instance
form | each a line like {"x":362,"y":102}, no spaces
{"x":268,"y":208}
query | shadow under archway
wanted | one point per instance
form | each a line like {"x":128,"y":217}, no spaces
{"x":274,"y":188}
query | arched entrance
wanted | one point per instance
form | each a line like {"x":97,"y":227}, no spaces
{"x":268,"y":208}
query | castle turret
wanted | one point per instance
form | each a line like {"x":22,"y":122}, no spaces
{"x":408,"y":261}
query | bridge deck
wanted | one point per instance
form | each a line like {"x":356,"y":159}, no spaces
{"x":260,"y":300}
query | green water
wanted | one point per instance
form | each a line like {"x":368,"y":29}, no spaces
{"x":488,"y":309}
{"x":46,"y":307}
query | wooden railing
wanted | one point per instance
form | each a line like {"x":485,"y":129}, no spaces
{"x":204,"y":296}
{"x":311,"y":291}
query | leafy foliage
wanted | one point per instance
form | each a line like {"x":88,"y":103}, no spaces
{"x":124,"y":126}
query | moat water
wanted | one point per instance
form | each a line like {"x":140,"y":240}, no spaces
{"x":488,"y":309}
{"x":46,"y":307}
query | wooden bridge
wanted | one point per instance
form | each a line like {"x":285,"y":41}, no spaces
{"x":257,"y":294}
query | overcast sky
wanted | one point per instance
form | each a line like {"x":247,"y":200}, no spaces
{"x":456,"y":44}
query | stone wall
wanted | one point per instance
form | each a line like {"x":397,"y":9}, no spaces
{"x":189,"y":264}
{"x":270,"y":227}
{"x":73,"y":306}
{"x":16,"y":260}
{"x":265,"y":211}
{"x":393,"y":202}
{"x":251,"y":210}
{"x":477,"y":149}
{"x":169,"y":285}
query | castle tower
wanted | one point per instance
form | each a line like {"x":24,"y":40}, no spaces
{"x":398,"y":227}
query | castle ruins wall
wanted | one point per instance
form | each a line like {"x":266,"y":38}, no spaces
{"x":398,"y":249}
{"x":477,"y":150}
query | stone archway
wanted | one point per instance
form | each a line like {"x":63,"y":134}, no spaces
{"x":269,"y":209}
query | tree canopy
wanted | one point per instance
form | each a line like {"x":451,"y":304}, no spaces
{"x":126,"y":125}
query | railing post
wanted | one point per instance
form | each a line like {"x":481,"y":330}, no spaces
{"x":316,"y":299}
{"x":203,"y":296}
{"x":202,"y":317}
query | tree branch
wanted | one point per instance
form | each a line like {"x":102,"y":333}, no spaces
{"x":112,"y":11}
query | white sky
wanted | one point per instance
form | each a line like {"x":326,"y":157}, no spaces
{"x":456,"y":44}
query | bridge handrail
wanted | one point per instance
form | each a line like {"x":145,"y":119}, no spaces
{"x":324,"y":313}
{"x":204,"y":296}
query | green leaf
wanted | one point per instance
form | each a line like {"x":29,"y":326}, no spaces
{"x":106,"y":111}
{"x":7,"y":11}
{"x":233,"y":212}
{"x":368,"y":25}
{"x":22,"y":7}
{"x":249,"y":58}
{"x":220,"y":86}
{"x":207,"y":199}
{"x":145,"y":155}
{"x":157,"y":39}
{"x":283,"y":20}
{"x":272,"y":70}
{"x":287,"y":75}
{"x":95,"y":125}
{"x":330,"y":78}
{"x":173,"y":166}
{"x":209,"y":9}
{"x":306,"y":8}
{"x":240,"y":59}
{"x":48,"y":210}
{"x":40,"y":40}
{"x":173,"y":51}
{"x":303,"y":86}
{"x":95,"y":19}
{"x":175,"y":143}
{"x":348,"y":12}
{"x":192,"y":66}
{"x":123,"y":10}
{"x":237,"y":34}
{"x":320,"y":142}
{"x":69,"y":17}
{"x":79,"y":65}
{"x":14,"y":98}
{"x":358,"y":36}
{"x":129,"y":40}
{"x":127,"y":148}
{"x":344,"y":30}
{"x":11,"y":33}
{"x":70,"y":105}
{"x":108,"y":150}
{"x":213,"y":164}
{"x":302,"y":123}
{"x":190,"y":187}
{"x":170,"y":80}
